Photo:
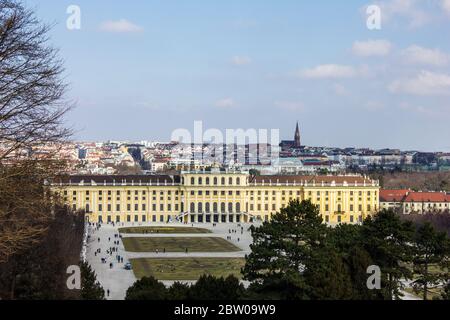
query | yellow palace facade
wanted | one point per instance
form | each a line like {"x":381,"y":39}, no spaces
{"x":220,"y":197}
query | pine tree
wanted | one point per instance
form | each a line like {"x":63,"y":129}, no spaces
{"x":431,"y":248}
{"x":90,"y":287}
{"x":282,"y":249}
{"x":347,"y":241}
{"x":327,"y":277}
{"x":211,"y":288}
{"x":388,"y":241}
{"x":148,"y":288}
{"x":178,"y":291}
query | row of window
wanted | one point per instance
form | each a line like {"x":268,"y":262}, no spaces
{"x":118,"y":193}
{"x":215,"y":181}
{"x":136,"y":207}
{"x":129,"y":218}
{"x":251,"y":193}
{"x":429,"y":205}
{"x":207,"y":207}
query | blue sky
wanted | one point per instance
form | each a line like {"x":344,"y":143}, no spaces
{"x":140,"y":70}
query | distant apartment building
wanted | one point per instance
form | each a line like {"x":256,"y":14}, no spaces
{"x":158,"y":165}
{"x":407,"y":201}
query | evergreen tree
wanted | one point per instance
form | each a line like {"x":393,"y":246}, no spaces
{"x":179,"y":291}
{"x":90,"y":287}
{"x":282,"y":249}
{"x":388,"y":241}
{"x":347,"y":240}
{"x":358,"y":260}
{"x":212,"y":288}
{"x":431,"y":248}
{"x":148,"y":288}
{"x":327,"y":277}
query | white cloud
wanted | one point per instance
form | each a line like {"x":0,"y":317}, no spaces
{"x":120,"y":26}
{"x":446,"y":6}
{"x":330,"y":71}
{"x":371,"y":48}
{"x":419,"y":55}
{"x":290,"y":106}
{"x":241,"y":61}
{"x":225,"y":103}
{"x":425,"y":83}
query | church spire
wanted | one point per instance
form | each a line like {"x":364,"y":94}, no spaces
{"x":297,"y":141}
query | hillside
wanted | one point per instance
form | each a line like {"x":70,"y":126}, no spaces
{"x":420,"y":181}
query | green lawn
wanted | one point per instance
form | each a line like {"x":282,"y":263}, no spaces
{"x":178,"y":244}
{"x":187,"y":268}
{"x":163,"y":230}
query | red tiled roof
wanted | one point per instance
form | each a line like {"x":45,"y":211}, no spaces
{"x":427,"y":197}
{"x":393,"y":195}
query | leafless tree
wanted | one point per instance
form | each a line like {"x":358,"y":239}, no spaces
{"x":32,"y":106}
{"x":32,"y":87}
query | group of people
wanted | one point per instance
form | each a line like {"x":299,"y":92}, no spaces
{"x":235,"y":231}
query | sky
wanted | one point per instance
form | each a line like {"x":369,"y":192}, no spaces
{"x":140,"y":69}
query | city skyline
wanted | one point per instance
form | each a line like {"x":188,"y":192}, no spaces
{"x":138,"y":73}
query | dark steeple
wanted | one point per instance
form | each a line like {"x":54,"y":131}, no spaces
{"x":297,"y":141}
